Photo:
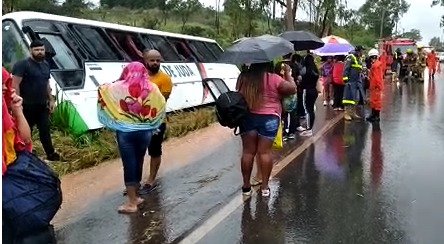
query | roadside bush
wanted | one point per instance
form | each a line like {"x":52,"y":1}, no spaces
{"x":95,"y":147}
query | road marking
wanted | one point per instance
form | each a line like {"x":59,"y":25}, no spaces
{"x":201,"y":231}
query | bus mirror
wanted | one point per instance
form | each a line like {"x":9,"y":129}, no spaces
{"x":49,"y":49}
{"x":28,"y":30}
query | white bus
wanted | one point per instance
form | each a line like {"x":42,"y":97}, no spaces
{"x":84,"y":54}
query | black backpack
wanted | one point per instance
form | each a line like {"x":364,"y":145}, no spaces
{"x":231,"y":109}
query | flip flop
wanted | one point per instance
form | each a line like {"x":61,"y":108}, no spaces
{"x":124,"y":209}
{"x":255,"y":182}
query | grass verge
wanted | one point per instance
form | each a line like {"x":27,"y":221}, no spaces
{"x":98,"y":146}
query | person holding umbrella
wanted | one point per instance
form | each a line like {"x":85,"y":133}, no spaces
{"x":263,"y":91}
{"x":354,"y":91}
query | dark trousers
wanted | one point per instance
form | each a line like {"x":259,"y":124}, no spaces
{"x":338,"y":94}
{"x":291,"y":122}
{"x":39,"y":115}
{"x":310,"y":99}
{"x":300,"y":110}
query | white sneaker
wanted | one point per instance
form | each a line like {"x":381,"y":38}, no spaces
{"x":291,"y":136}
{"x":331,"y":102}
{"x":300,"y":129}
{"x":325,"y":103}
{"x":307,"y":133}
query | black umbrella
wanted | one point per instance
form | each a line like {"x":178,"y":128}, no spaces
{"x":258,"y":49}
{"x":303,"y":40}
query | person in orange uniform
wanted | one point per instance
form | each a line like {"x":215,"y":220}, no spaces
{"x":431,"y":64}
{"x":376,"y":85}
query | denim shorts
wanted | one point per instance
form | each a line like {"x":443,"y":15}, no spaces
{"x":265,"y":125}
{"x":132,"y":147}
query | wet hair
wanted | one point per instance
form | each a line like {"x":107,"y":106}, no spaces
{"x":296,"y":58}
{"x":310,"y":64}
{"x":340,"y":57}
{"x":37,"y":43}
{"x":244,"y":68}
{"x":251,"y":83}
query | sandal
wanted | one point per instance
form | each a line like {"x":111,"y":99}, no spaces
{"x":140,"y":201}
{"x":255,"y":181}
{"x":265,"y":192}
{"x":125,"y":209}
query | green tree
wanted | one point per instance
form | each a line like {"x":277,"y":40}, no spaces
{"x":185,"y":8}
{"x":166,"y":7}
{"x":441,"y":3}
{"x":414,"y":34}
{"x":381,"y":16}
{"x":437,"y":43}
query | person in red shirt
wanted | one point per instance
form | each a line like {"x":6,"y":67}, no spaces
{"x":375,"y":86}
{"x":338,"y":83}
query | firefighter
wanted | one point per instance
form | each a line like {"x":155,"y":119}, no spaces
{"x":431,"y":64}
{"x":376,"y":85}
{"x":421,"y":63}
{"x":396,"y":65}
{"x":409,"y":62}
{"x":352,"y":76}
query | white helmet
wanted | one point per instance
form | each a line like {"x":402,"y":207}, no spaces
{"x":373,"y":52}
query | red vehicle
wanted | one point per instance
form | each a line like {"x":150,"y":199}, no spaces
{"x":390,"y":45}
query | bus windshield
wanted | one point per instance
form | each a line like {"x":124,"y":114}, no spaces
{"x":404,"y":47}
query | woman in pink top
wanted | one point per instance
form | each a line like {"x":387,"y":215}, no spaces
{"x":263,"y":91}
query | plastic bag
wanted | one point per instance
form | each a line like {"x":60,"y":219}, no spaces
{"x":277,"y":142}
{"x":289,"y":103}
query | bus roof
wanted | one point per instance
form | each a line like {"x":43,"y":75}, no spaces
{"x":19,"y":17}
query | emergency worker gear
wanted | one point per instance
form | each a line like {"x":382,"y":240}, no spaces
{"x":352,"y":76}
{"x":373,"y":52}
{"x":376,"y":85}
{"x":421,"y":63}
{"x":432,"y":62}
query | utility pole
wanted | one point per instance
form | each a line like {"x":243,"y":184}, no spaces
{"x":381,"y":29}
{"x":274,"y":9}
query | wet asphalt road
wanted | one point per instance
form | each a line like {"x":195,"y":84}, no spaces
{"x":357,"y":184}
{"x":360,"y":183}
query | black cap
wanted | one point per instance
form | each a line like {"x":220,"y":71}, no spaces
{"x":37,"y":43}
{"x":359,"y":48}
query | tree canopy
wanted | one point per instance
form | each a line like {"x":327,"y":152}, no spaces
{"x":374,"y":19}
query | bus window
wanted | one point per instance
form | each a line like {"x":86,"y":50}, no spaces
{"x":183,"y":49}
{"x":214,"y":48}
{"x":129,"y":42}
{"x":13,"y":46}
{"x":99,"y":48}
{"x":168,"y":53}
{"x":64,"y":58}
{"x":203,"y":51}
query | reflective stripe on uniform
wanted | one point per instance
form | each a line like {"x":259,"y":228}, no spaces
{"x":350,"y":102}
{"x":344,"y":78}
{"x":355,"y":63}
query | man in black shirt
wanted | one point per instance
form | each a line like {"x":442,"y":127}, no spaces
{"x":31,"y":82}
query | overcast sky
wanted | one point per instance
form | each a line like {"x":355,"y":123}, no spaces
{"x":420,"y":16}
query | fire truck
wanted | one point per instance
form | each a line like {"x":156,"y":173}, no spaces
{"x":389,"y":45}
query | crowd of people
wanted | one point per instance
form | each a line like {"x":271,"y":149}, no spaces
{"x":341,"y":80}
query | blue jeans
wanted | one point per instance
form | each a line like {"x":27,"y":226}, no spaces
{"x":264,"y":125}
{"x":132,"y":147}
